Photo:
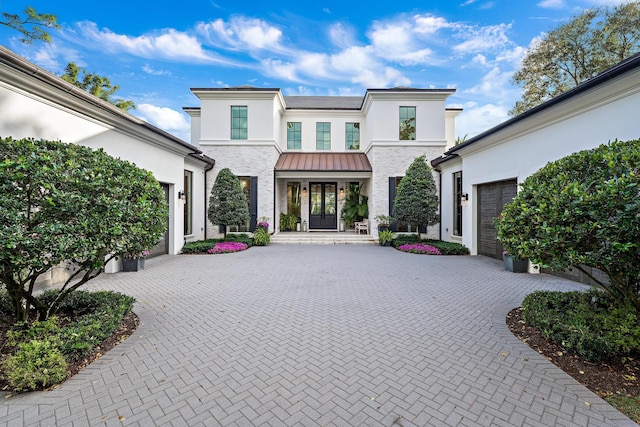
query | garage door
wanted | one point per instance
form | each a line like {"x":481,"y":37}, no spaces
{"x":491,"y":200}
{"x":162,"y":248}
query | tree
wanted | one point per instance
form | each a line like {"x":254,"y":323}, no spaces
{"x":68,"y":203}
{"x":32,"y":25}
{"x":416,"y":201}
{"x":582,"y":210}
{"x":96,"y":85}
{"x":228,"y":204}
{"x":590,"y":43}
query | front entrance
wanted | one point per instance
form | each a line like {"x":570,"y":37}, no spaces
{"x":323,"y":206}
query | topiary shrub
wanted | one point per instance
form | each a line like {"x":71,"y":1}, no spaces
{"x":582,"y":210}
{"x":36,"y":364}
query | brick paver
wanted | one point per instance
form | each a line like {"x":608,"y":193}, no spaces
{"x":320,"y":336}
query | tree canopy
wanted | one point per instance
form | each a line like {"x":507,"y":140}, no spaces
{"x":96,"y":85}
{"x":228,"y":204}
{"x":416,"y":201}
{"x":582,"y":210}
{"x":31,"y":24}
{"x":590,"y":43}
{"x":68,"y":203}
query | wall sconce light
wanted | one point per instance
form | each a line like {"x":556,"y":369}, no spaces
{"x":464,"y":197}
{"x":182,"y":196}
{"x":304,"y":190}
{"x":342,"y":191}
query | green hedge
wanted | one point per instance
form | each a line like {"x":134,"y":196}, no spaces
{"x":202,"y":246}
{"x":591,"y":324}
{"x":446,"y":248}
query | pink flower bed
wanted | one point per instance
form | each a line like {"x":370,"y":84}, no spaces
{"x":419,"y":248}
{"x":227,"y":247}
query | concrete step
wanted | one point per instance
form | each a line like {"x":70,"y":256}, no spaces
{"x":322,"y":238}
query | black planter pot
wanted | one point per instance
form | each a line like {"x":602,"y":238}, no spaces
{"x":515,"y":265}
{"x":382,"y":227}
{"x":132,"y":264}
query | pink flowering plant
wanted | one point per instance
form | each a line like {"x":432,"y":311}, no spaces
{"x":263,"y":224}
{"x":136,"y":255}
{"x":419,"y":248}
{"x":227,"y":247}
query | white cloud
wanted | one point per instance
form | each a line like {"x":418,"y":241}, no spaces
{"x":493,"y":85}
{"x":155,"y":72}
{"x":242,"y":33}
{"x":395,"y":42}
{"x":552,"y":4}
{"x":429,"y":24}
{"x":165,"y":118}
{"x":480,"y":39}
{"x":477,"y":119}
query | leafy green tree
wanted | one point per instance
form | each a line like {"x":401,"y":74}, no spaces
{"x":68,"y":203}
{"x":31,"y":24}
{"x":582,"y":210}
{"x":416,"y":201}
{"x":228,"y":204}
{"x":96,"y":85}
{"x":590,"y":43}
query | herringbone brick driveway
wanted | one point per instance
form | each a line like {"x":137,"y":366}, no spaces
{"x":320,"y":336}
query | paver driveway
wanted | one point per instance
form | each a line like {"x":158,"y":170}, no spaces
{"x":320,"y":335}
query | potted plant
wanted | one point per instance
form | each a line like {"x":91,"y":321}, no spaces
{"x":384,"y":222}
{"x":515,"y":265}
{"x":134,"y":261}
{"x":385,"y":237}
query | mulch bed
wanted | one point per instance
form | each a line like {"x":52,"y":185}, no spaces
{"x":604,"y":379}
{"x":129,"y":324}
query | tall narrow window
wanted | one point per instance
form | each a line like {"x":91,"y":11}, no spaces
{"x":294,"y":135}
{"x":407,"y":123}
{"x":239,"y":122}
{"x":352,"y":136}
{"x":188,"y":202}
{"x":293,"y":198}
{"x":323,"y":136}
{"x":245,"y":182}
{"x":457,"y":204}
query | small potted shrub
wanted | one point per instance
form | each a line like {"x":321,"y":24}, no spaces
{"x":385,"y":237}
{"x":384,"y":222}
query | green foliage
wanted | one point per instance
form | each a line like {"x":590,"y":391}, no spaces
{"x":416,"y":201}
{"x":96,"y":85}
{"x":401,"y":239}
{"x":240,"y":238}
{"x":228,"y":204}
{"x":591,"y":324}
{"x":355,"y":207}
{"x":448,"y":248}
{"x":288,"y":221}
{"x":32,"y":25}
{"x":45,"y":347}
{"x":261,"y":237}
{"x":36,"y":364}
{"x":590,"y":43}
{"x":582,"y":210}
{"x":385,"y":236}
{"x":65,"y":202}
{"x":383,"y":220}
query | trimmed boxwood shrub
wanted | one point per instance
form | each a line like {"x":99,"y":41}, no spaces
{"x":202,"y":246}
{"x":592,"y":324}
{"x":445,"y":248}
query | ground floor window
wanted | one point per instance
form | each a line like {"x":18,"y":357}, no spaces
{"x":394,"y":182}
{"x":457,"y":204}
{"x":293,"y":199}
{"x":188,"y":202}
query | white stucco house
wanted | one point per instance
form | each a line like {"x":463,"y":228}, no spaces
{"x":479,"y":176}
{"x":301,"y":155}
{"x":37,"y":104}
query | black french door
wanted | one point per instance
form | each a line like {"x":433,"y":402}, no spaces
{"x":323,"y":206}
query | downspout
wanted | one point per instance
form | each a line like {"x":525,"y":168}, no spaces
{"x":207,"y":169}
{"x":440,"y":204}
{"x":275,"y":186}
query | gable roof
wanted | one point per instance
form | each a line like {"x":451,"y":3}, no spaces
{"x":616,"y":71}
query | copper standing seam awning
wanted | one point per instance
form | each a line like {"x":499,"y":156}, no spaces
{"x":323,"y":162}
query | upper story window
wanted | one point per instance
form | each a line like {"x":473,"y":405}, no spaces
{"x":294,"y":135}
{"x":239,"y":122}
{"x":457,"y":204}
{"x":352,"y":136}
{"x":323,"y":136}
{"x":407,"y":123}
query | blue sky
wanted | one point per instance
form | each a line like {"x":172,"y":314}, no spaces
{"x":155,"y":51}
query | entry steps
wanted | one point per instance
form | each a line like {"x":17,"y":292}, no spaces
{"x":322,"y":238}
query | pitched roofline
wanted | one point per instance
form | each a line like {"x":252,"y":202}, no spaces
{"x":25,"y":67}
{"x":617,"y":70}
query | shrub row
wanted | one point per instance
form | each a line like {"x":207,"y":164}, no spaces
{"x":591,"y":324}
{"x":202,"y":246}
{"x":44,"y":349}
{"x":445,"y":248}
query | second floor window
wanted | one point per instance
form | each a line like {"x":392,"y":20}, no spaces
{"x":294,"y":135}
{"x":407,"y":123}
{"x":239,"y":122}
{"x":323,"y":136}
{"x":352,"y":136}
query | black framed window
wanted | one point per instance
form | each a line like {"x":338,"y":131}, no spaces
{"x":188,"y":202}
{"x":457,"y":204}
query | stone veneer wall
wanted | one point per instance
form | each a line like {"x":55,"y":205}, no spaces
{"x":244,"y":159}
{"x":391,"y":160}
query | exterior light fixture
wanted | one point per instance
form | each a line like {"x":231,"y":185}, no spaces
{"x":464,"y":197}
{"x":304,"y":190}
{"x":182,"y":196}
{"x":342,"y":191}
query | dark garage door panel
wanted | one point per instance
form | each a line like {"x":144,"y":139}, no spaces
{"x":491,"y":200}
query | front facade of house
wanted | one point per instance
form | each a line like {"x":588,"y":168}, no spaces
{"x":481,"y":175}
{"x":37,"y":104}
{"x":301,"y":156}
